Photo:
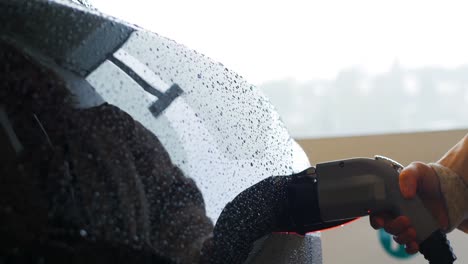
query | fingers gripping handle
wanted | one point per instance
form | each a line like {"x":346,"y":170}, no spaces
{"x":421,"y":219}
{"x":354,"y":187}
{"x":433,"y":243}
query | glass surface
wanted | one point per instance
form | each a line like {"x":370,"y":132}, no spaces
{"x":331,"y":68}
{"x":220,"y":130}
{"x":118,"y":143}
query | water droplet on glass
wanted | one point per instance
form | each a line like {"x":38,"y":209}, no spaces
{"x":83,"y":233}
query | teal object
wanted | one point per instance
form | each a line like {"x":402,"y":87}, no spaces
{"x":396,"y":252}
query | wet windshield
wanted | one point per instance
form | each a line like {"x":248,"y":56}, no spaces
{"x":218,"y":129}
{"x":124,"y":136}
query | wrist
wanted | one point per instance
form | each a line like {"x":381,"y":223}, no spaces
{"x":456,"y":159}
{"x":455,"y":194}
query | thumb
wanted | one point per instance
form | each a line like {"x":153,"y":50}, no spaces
{"x":410,"y":178}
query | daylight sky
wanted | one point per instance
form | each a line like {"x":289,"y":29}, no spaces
{"x":304,"y":40}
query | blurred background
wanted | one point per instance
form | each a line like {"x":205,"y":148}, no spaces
{"x":349,"y":78}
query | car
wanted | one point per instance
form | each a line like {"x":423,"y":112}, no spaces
{"x":118,"y":135}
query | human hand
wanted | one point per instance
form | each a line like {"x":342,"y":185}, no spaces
{"x":416,"y":179}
